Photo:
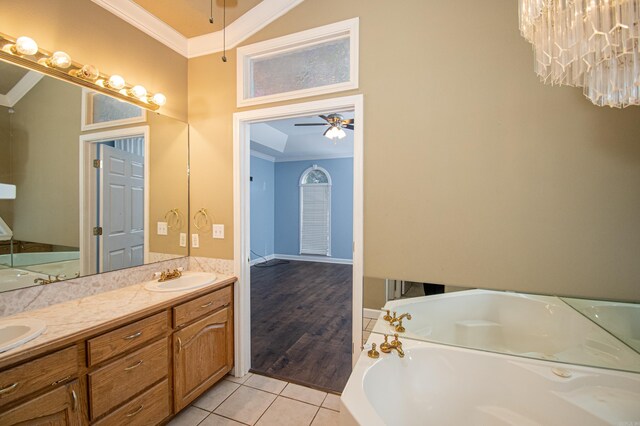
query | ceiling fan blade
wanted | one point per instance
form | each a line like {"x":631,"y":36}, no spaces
{"x":349,"y":121}
{"x":311,"y":124}
{"x":348,"y":126}
{"x":324,"y":117}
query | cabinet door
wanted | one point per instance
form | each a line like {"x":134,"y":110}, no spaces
{"x":61,"y":406}
{"x":202,"y":355}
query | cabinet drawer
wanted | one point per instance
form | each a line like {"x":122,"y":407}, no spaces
{"x":32,"y":376}
{"x":202,"y":305}
{"x":118,"y":381}
{"x":150,"y":408}
{"x":124,"y":338}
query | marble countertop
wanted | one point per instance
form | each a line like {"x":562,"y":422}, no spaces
{"x":75,"y":320}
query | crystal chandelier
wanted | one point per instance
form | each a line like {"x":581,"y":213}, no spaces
{"x":590,"y":43}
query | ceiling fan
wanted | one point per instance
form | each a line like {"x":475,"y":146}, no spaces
{"x":336,"y":124}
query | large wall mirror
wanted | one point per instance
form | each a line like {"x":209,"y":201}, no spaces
{"x":100,"y":184}
{"x":597,"y":333}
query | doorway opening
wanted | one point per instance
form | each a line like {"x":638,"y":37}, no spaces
{"x":277,"y":292}
{"x":114,"y":199}
{"x":301,"y":250}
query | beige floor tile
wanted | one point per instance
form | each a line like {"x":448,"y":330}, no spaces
{"x":370,"y":326}
{"x":190,"y":416}
{"x":288,"y":412}
{"x":365,"y":323}
{"x":216,"y":395}
{"x":365,"y":336}
{"x":326,"y":418}
{"x":239,"y":380}
{"x":246,"y":405}
{"x":216,"y":420}
{"x":332,"y":402}
{"x":304,"y":394}
{"x":266,"y":384}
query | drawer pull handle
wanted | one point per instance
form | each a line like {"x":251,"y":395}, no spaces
{"x":74,"y":397}
{"x":57,"y":382}
{"x":136,"y":365}
{"x":179,"y":345}
{"x":133,"y":336}
{"x":9,"y":388}
{"x":133,"y":413}
{"x":206,"y":305}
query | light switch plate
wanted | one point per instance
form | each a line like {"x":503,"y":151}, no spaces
{"x":218,"y":231}
{"x":163,"y":229}
{"x":195,"y":240}
{"x":183,"y":239}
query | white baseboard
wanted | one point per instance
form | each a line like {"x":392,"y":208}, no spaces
{"x":308,"y":258}
{"x":371,"y":313}
{"x":262,"y":259}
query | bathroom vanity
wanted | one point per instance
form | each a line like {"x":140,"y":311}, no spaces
{"x":129,"y":356}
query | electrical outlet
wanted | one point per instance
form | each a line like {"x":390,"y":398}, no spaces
{"x":183,"y":239}
{"x":163,"y":229}
{"x":195,"y":240}
{"x":218,"y":231}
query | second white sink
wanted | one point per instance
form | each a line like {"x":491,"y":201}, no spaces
{"x":16,"y":332}
{"x":188,"y":281}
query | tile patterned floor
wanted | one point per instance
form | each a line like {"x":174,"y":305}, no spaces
{"x":263,"y":401}
{"x":367,"y":328}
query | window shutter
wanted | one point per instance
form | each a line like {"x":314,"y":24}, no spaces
{"x":315,"y":220}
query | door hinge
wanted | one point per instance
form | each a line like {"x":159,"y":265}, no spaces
{"x":97,"y":164}
{"x":97,"y":231}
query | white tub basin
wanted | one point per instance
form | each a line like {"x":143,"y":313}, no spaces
{"x":439,"y":385}
{"x":542,"y":327}
{"x":16,"y":332}
{"x":188,"y":281}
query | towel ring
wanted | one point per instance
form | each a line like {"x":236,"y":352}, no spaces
{"x":176,"y":215}
{"x":198,"y":217}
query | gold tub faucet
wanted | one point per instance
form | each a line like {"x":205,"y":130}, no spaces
{"x":395,"y":344}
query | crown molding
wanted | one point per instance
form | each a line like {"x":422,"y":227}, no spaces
{"x":242,"y":28}
{"x":21,"y":88}
{"x":264,"y":156}
{"x":146,"y":22}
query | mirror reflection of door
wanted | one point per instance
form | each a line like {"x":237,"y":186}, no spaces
{"x":120,"y":204}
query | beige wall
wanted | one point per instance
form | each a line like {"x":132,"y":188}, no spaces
{"x":45,"y":164}
{"x":92,"y":35}
{"x":168,"y":159}
{"x":374,"y":293}
{"x":5,"y":163}
{"x":487,"y":178}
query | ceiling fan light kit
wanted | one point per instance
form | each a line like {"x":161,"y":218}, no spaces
{"x":336,"y":123}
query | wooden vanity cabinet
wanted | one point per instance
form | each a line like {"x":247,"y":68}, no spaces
{"x":61,"y":406}
{"x":202,"y":355}
{"x":139,"y":372}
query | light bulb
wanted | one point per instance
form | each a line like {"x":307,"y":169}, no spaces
{"x":333,"y":132}
{"x":159,"y":99}
{"x":116,"y":82}
{"x":60,"y":60}
{"x":88,"y":72}
{"x":26,"y":46}
{"x":138,"y":91}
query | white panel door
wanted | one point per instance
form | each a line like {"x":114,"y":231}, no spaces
{"x":121,"y":209}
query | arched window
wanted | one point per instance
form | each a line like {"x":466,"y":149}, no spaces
{"x":315,"y":211}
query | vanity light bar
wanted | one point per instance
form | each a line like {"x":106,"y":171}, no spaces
{"x":26,"y":53}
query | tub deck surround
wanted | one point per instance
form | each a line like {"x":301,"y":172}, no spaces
{"x":531,"y":326}
{"x":437,"y":384}
{"x":75,"y":320}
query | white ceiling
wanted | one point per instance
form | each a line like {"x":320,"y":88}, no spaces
{"x":281,"y":140}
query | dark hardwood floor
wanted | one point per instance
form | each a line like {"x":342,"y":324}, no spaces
{"x":301,"y":323}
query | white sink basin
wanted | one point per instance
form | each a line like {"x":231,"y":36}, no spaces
{"x":16,"y":332}
{"x":188,"y":281}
